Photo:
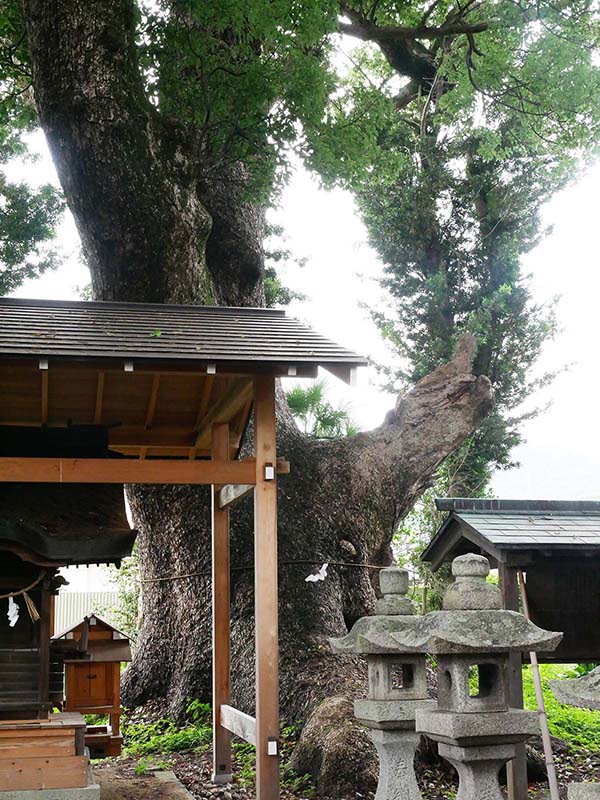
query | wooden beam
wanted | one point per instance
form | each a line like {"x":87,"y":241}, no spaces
{"x":156,"y":450}
{"x":109,"y":470}
{"x":243,"y":416}
{"x":343,"y":372}
{"x":202,"y":407}
{"x":99,"y":398}
{"x":183,"y":367}
{"x":44,"y":409}
{"x":225,"y":407}
{"x":238,"y":723}
{"x":230,"y":493}
{"x":152,"y":401}
{"x":266,"y":593}
{"x":204,"y":398}
{"x":221,"y":626}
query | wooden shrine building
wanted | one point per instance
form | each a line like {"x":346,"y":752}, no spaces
{"x":555,"y":545}
{"x":44,"y":527}
{"x":106,"y":394}
{"x":91,"y":652}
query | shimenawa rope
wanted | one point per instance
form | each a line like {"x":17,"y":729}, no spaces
{"x":29,"y":604}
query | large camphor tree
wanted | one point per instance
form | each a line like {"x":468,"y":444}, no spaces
{"x":168,"y":126}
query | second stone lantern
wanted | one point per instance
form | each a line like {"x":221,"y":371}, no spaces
{"x":472,"y":638}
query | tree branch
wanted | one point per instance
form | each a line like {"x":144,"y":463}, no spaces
{"x":433,"y":419}
{"x":368,"y":31}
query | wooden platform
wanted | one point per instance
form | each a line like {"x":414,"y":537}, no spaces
{"x":103,"y":741}
{"x":43,"y":754}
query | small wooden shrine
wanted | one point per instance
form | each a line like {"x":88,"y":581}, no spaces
{"x":114,"y":393}
{"x":555,"y":545}
{"x":92,"y":652}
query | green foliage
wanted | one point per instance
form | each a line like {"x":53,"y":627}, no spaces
{"x":577,"y":726}
{"x":125,"y":616}
{"x":411,"y":538}
{"x":147,"y":739}
{"x":276,"y":255}
{"x":316,"y":415}
{"x":165,"y":736}
{"x":145,"y":764}
{"x":28,"y":217}
{"x":583,"y":669}
{"x":96,"y":719}
{"x":244,"y":75}
{"x":451,"y":180}
{"x":27,"y":225}
{"x":459,"y":474}
{"x":245,"y":758}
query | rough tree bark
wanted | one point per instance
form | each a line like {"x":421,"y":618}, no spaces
{"x":144,"y":212}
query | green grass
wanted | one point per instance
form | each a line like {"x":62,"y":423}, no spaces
{"x":165,"y":736}
{"x":577,"y":726}
{"x":143,"y":740}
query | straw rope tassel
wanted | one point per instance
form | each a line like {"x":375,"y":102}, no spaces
{"x":33,"y":612}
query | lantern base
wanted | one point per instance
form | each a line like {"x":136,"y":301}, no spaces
{"x":396,"y":751}
{"x":478,"y":769}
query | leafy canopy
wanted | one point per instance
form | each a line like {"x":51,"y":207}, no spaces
{"x":453,"y":126}
{"x":27,"y":216}
{"x":243,"y":76}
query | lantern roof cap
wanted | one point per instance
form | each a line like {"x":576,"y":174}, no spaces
{"x":472,"y":622}
{"x":393,"y":611}
{"x":474,"y":631}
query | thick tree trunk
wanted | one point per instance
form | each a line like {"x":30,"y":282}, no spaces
{"x":142,"y":209}
{"x":129,"y":175}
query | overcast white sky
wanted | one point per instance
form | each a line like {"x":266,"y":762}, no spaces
{"x":561,"y":456}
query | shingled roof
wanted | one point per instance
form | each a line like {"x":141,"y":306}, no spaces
{"x":502,"y":525}
{"x":141,"y":331}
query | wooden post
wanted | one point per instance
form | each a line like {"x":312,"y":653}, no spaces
{"x":44,"y":646}
{"x":265,"y":592}
{"x":516,"y":770}
{"x":221,"y":634}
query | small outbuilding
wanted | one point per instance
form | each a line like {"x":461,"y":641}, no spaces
{"x":92,"y":652}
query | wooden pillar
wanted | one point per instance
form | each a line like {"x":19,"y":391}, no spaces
{"x":44,"y":645}
{"x":221,"y":634}
{"x":265,"y":592}
{"x":516,"y":770}
{"x":115,"y":717}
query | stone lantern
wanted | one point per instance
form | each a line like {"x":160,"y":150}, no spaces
{"x":583,"y":692}
{"x":397,"y":685}
{"x":472,"y":638}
